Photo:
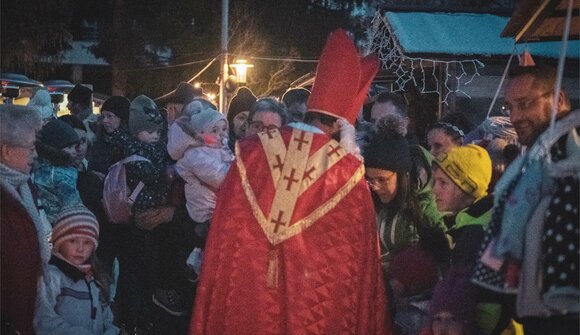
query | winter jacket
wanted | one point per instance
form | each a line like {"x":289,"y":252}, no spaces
{"x":57,"y":187}
{"x":397,"y":231}
{"x":203,"y":168}
{"x":422,"y":179}
{"x":156,"y":190}
{"x":71,"y":304}
{"x":103,"y":153}
{"x":20,"y":265}
{"x":466,"y":230}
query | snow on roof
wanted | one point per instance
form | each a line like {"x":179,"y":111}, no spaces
{"x":80,"y":54}
{"x":464,"y":34}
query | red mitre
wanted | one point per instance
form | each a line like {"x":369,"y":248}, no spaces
{"x":342,"y":78}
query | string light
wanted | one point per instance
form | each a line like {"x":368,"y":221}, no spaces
{"x":384,"y":43}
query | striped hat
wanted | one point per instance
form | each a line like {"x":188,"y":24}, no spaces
{"x":73,"y":222}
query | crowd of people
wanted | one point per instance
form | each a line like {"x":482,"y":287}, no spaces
{"x":293,"y":215}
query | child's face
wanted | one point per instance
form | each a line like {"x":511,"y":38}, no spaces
{"x":147,"y":136}
{"x":77,"y":250}
{"x":74,"y":151}
{"x":448,"y":196}
{"x":220,"y":130}
{"x":445,"y":323}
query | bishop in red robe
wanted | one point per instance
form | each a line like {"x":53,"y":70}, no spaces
{"x":293,"y":247}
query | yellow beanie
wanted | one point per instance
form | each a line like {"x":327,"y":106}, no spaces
{"x":469,"y":167}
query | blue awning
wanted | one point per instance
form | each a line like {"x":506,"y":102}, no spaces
{"x":464,"y":34}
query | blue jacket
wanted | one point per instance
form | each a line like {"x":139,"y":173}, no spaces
{"x":70,"y":304}
{"x":57,"y":187}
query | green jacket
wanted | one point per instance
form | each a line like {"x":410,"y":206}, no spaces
{"x":397,"y":231}
{"x":466,"y":230}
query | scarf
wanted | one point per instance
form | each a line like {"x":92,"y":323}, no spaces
{"x":16,"y":184}
{"x":86,"y":269}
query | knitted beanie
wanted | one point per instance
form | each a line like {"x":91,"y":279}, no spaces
{"x":469,"y":167}
{"x":81,"y":95}
{"x":73,"y":222}
{"x":204,"y":120}
{"x":144,"y":115}
{"x":242,"y":101}
{"x":456,"y":295}
{"x":58,"y":134}
{"x":41,"y":102}
{"x":117,"y":105}
{"x":388,"y":152}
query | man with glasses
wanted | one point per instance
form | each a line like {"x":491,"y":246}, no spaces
{"x":530,"y":249}
{"x":266,"y":113}
{"x":528,"y":100}
{"x":292,"y":246}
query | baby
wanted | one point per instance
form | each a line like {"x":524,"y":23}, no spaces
{"x":199,"y":144}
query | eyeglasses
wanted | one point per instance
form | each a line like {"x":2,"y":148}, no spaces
{"x":380,"y":181}
{"x":523,"y":103}
{"x":258,"y":126}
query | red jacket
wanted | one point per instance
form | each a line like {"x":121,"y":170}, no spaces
{"x":20,"y":265}
{"x":292,"y":247}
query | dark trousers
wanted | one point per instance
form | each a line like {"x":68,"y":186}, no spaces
{"x":176,"y":240}
{"x":138,"y":263}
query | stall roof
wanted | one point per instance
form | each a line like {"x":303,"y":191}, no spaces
{"x":463,"y":34}
{"x":542,"y":20}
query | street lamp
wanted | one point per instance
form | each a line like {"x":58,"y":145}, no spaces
{"x":241,"y":68}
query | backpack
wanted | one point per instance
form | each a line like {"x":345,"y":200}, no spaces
{"x":117,"y":198}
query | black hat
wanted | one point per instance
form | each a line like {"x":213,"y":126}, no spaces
{"x":242,"y":101}
{"x":117,"y":105}
{"x":81,"y":95}
{"x":293,"y":95}
{"x":388,"y":152}
{"x":183,"y":94}
{"x":58,"y":134}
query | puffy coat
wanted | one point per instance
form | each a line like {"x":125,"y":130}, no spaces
{"x":71,"y":304}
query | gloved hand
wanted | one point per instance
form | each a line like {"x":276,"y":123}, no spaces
{"x":348,"y":139}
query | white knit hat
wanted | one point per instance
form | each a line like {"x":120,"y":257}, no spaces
{"x":203,"y":121}
{"x":73,"y":222}
{"x":41,"y":102}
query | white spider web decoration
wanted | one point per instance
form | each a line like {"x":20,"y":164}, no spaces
{"x":419,"y":71}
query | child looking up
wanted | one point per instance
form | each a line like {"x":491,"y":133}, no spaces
{"x":75,"y":300}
